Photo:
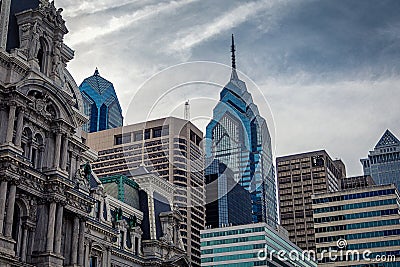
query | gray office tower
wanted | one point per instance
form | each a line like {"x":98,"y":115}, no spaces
{"x":383,"y":163}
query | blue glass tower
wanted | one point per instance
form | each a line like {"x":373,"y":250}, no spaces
{"x":238,"y":137}
{"x":383,"y":163}
{"x":100,"y":103}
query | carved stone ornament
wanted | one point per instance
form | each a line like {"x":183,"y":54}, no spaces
{"x":82,"y":181}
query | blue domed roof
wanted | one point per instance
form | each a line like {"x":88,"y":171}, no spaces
{"x":98,"y":83}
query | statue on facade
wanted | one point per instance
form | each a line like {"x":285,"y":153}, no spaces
{"x":57,"y":63}
{"x":132,"y":222}
{"x":118,"y":214}
{"x":34,"y":44}
{"x":83,"y":177}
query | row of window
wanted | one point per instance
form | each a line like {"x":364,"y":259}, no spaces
{"x":356,"y":215}
{"x":355,"y":196}
{"x":229,"y":257}
{"x":356,"y":206}
{"x":358,"y":236}
{"x":234,"y":232}
{"x":233,"y":240}
{"x":232,"y":249}
{"x":357,"y":226}
{"x":378,"y":244}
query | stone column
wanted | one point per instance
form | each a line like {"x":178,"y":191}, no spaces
{"x":40,"y":158}
{"x":139,"y":249}
{"x":87,"y":250}
{"x":58,"y":229}
{"x":73,"y":169}
{"x":81,"y":249}
{"x":24,"y":243}
{"x":50,"y":227}
{"x":125,"y":239}
{"x":3,"y":123}
{"x":57,"y":150}
{"x":20,"y":125}
{"x":3,"y":198}
{"x":10,"y":125}
{"x":108,"y":256}
{"x":31,"y":242}
{"x":101,"y":213}
{"x":78,"y":162}
{"x":74,"y":249}
{"x":133,"y":241}
{"x":64,"y":156}
{"x":10,"y":210}
{"x":4,"y":22}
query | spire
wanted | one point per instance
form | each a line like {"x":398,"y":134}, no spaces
{"x":233,"y":50}
{"x":234,"y":75}
{"x":96,"y":72}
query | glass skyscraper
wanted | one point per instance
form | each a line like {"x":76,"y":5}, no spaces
{"x":383,"y":163}
{"x":100,"y":103}
{"x":238,"y":137}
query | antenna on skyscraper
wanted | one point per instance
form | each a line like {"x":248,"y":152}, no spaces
{"x":233,"y":50}
{"x":234,"y":75}
{"x":187,"y":111}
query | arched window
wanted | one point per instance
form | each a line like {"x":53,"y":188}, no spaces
{"x":43,"y":56}
{"x":26,"y":141}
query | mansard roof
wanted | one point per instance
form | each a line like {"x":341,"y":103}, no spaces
{"x":388,"y":139}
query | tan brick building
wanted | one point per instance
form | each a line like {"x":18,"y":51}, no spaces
{"x":300,"y":176}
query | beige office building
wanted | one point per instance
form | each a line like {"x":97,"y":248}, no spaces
{"x":361,"y":227}
{"x":300,"y":176}
{"x":169,"y":146}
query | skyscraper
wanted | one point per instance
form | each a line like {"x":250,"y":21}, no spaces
{"x":300,"y":176}
{"x":100,"y":104}
{"x":383,"y":163}
{"x":227,"y":202}
{"x":170,"y":147}
{"x":238,"y":137}
{"x":358,"y":219}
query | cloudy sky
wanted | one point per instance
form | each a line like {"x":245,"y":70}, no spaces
{"x":328,"y":69}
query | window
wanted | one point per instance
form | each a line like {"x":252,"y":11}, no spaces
{"x":147,"y":134}
{"x":122,"y":139}
{"x":93,"y":261}
{"x":137,"y":136}
{"x":157,"y":132}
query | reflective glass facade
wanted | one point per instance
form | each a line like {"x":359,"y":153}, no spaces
{"x":100,"y":104}
{"x":227,"y":202}
{"x":238,"y":137}
{"x":383,"y":163}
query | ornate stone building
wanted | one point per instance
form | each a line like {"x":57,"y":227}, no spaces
{"x":53,"y":209}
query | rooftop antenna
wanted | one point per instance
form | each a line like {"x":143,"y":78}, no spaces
{"x":234,"y":75}
{"x":233,"y":50}
{"x":187,"y":111}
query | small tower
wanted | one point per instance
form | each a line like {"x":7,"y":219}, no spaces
{"x":187,"y":111}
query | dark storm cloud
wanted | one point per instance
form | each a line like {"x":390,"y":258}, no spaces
{"x":329,"y":69}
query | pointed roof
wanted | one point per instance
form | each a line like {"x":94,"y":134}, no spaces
{"x":98,"y":83}
{"x":388,"y":139}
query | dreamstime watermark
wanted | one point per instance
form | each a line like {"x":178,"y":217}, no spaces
{"x":327,"y":255}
